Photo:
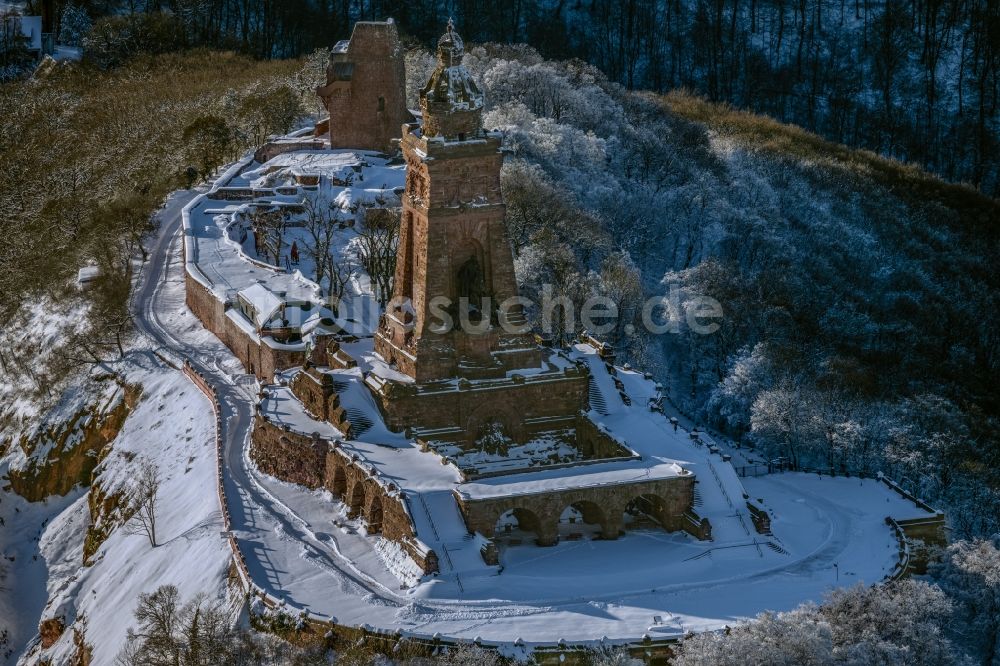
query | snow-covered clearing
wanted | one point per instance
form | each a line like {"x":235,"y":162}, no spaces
{"x":173,"y":428}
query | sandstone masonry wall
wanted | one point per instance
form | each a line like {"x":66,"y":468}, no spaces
{"x":209,"y":310}
{"x":521,"y":406}
{"x":365,"y":89}
{"x":315,"y":463}
{"x":257,"y":358}
{"x":664,"y":500}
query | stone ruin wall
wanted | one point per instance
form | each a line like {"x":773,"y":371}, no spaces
{"x":469,"y":407}
{"x":357,"y":117}
{"x":317,"y":463}
{"x":263,"y":360}
{"x":272,"y":149}
{"x":669,"y":503}
{"x":209,"y":310}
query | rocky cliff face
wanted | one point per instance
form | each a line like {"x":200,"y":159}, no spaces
{"x":63,"y":455}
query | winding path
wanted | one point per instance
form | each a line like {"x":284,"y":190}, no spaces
{"x":245,"y":496}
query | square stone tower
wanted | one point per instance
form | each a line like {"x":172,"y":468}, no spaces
{"x":454,"y":311}
{"x":365,"y":91}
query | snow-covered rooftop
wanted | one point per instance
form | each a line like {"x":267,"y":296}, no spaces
{"x":263,"y":301}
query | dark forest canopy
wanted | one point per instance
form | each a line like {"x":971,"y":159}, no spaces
{"x":916,"y":80}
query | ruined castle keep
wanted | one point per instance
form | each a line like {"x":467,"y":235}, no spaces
{"x":365,"y":91}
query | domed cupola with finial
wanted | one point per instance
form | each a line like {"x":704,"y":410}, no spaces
{"x":452,"y":101}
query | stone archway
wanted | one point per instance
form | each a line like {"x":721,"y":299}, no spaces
{"x":644,"y":511}
{"x":338,"y":482}
{"x":468,"y":252}
{"x":471,"y":282}
{"x":374,"y":515}
{"x":583,"y":520}
{"x":356,"y":502}
{"x":517,"y":524}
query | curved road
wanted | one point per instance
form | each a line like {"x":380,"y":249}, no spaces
{"x":244,"y":495}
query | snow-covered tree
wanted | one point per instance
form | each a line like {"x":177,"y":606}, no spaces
{"x":749,"y":374}
{"x":969,"y":573}
{"x":74,"y":24}
{"x":900,"y":623}
{"x":797,"y":638}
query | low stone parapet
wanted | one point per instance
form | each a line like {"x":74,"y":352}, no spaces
{"x":760,"y":517}
{"x":272,"y":149}
{"x":698,"y":527}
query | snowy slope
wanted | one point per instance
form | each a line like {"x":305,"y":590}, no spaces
{"x":173,"y":428}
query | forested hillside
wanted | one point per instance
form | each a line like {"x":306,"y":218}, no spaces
{"x":88,"y":156}
{"x":916,"y":80}
{"x":858,"y":293}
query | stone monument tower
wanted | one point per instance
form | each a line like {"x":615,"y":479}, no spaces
{"x":454,"y":311}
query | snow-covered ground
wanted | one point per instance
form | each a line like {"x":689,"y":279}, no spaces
{"x":24,"y":571}
{"x":214,"y":231}
{"x":30,"y":341}
{"x":173,"y":428}
{"x":825,"y":531}
{"x":301,"y":548}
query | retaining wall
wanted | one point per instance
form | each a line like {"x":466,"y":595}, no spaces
{"x":314,"y":462}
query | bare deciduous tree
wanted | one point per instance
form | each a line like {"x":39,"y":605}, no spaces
{"x":378,"y":238}
{"x":270,"y":226}
{"x":323,"y":221}
{"x":143,"y":503}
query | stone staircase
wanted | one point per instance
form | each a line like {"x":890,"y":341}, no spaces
{"x":776,"y":548}
{"x":353,"y":422}
{"x":439,"y":523}
{"x":597,"y":402}
{"x":697,"y":501}
{"x":476,"y":368}
{"x":341,"y":420}
{"x":359,"y":422}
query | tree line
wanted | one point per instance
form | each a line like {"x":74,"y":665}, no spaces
{"x":89,"y":157}
{"x":916,"y":80}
